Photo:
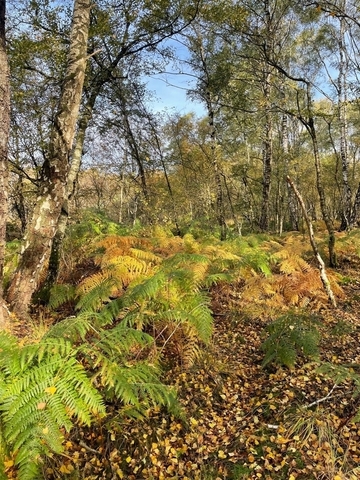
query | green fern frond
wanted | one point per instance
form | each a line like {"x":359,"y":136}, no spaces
{"x":60,"y":294}
{"x":42,"y":388}
{"x":201,"y":317}
{"x":28,"y":460}
{"x":214,"y":278}
{"x":184,"y":260}
{"x":148,"y":289}
{"x":8,"y":344}
{"x":73,"y":328}
{"x":120,"y":340}
{"x":195,"y":313}
{"x":291,"y":335}
{"x":53,"y":346}
{"x":103,"y":288}
{"x":257,"y":260}
{"x":136,"y":384}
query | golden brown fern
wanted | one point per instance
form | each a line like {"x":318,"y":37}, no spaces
{"x":121,"y":261}
{"x":294,"y":283}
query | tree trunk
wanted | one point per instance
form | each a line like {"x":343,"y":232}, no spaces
{"x":291,"y":200}
{"x":220,"y":212}
{"x":356,"y":208}
{"x":342,"y":113}
{"x":310,"y":126}
{"x":267,"y":157}
{"x":54,"y":260}
{"x":4,"y":137}
{"x":42,"y":228}
{"x":267,"y":145}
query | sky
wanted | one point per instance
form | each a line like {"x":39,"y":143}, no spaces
{"x":170,"y":87}
{"x":170,"y":94}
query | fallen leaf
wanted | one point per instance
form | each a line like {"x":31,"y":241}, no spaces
{"x":50,"y":390}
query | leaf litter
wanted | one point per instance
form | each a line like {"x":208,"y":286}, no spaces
{"x":239,"y":420}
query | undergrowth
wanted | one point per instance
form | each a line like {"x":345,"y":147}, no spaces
{"x":146,"y":303}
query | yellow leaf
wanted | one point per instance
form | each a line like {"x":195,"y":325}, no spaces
{"x":292,"y":477}
{"x":9,"y":463}
{"x":119,"y":473}
{"x":193,"y":421}
{"x":337,"y":477}
{"x":221,"y":454}
{"x":45,"y":431}
{"x":65,"y":469}
{"x":50,"y":390}
{"x":281,"y":440}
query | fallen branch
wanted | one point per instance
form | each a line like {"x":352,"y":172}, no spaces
{"x":92,"y":450}
{"x":320,"y":261}
{"x":323,"y":399}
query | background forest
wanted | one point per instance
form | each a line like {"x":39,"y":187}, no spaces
{"x":163,"y":312}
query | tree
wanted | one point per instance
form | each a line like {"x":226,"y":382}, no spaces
{"x":116,"y":42}
{"x":4,"y":136}
{"x":54,"y":172}
{"x":208,"y":63}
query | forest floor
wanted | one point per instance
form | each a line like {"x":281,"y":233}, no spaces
{"x":240,"y":420}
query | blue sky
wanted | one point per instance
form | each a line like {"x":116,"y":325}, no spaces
{"x":170,"y":86}
{"x":170,"y":92}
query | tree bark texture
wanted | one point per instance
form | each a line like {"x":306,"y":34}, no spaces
{"x":220,"y":211}
{"x":49,"y":203}
{"x":356,"y":209}
{"x":267,"y":169}
{"x":54,"y":260}
{"x":342,"y":113}
{"x":4,"y":137}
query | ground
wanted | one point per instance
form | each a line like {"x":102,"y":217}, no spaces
{"x":239,"y":420}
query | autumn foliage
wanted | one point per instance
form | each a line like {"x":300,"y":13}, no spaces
{"x":264,"y":371}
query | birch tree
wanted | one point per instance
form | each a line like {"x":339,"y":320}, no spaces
{"x":42,"y":228}
{"x":4,"y":135}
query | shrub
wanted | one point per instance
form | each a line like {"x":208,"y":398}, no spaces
{"x":291,"y":335}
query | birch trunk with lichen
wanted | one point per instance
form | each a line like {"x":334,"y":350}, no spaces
{"x":4,"y":136}
{"x":42,"y":227}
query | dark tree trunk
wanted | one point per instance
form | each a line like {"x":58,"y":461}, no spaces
{"x":267,"y":168}
{"x":355,"y":215}
{"x":310,"y":126}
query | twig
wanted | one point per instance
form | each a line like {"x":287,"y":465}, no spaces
{"x":92,"y":450}
{"x":323,"y":399}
